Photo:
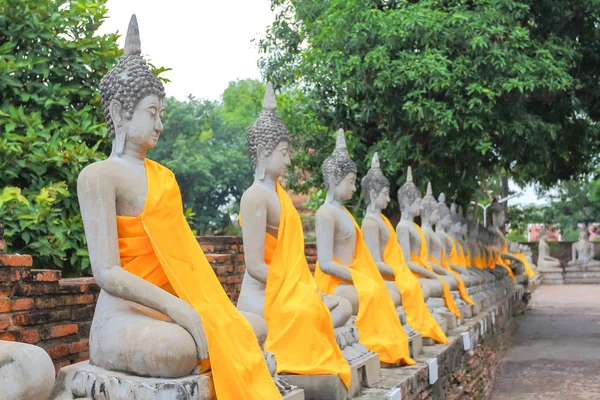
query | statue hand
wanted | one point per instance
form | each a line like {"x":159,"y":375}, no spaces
{"x":330,"y":302}
{"x":188,"y":319}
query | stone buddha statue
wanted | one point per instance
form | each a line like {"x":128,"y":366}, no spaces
{"x":278,"y":284}
{"x":458,"y":230}
{"x":583,"y":251}
{"x":161,"y":311}
{"x":497,"y":217}
{"x":429,"y":218}
{"x":383,"y":245}
{"x":346,"y":268}
{"x":409,"y":200}
{"x":413,"y":242}
{"x":449,"y":246}
{"x":544,"y":258}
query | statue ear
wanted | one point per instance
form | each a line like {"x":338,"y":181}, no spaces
{"x":116,"y":114}
{"x":261,"y":152}
{"x":372,"y":196}
{"x":116,"y":111}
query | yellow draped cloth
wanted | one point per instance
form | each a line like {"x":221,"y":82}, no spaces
{"x":528,"y":270}
{"x":159,"y":246}
{"x":463,"y":256}
{"x":462,"y":289}
{"x":417,"y":314}
{"x":501,"y":263}
{"x":379,"y":328}
{"x":421,"y":259}
{"x":300,"y":327}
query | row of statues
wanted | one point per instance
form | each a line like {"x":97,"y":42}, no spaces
{"x":162,"y":312}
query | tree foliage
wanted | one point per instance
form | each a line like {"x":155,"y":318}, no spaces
{"x":460,"y":90}
{"x":51,"y":124}
{"x":204,"y":144}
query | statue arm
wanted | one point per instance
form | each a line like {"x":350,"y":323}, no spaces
{"x":97,"y":200}
{"x":325,"y":228}
{"x":254,"y":227}
{"x":371,"y":237}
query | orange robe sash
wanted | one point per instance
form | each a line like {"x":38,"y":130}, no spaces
{"x":417,"y":314}
{"x":528,"y":270}
{"x":421,"y":260}
{"x":159,"y":246}
{"x":379,"y":327}
{"x":300,"y":327}
{"x":462,"y":289}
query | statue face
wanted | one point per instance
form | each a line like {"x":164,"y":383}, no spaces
{"x":434,"y":217}
{"x":456,"y":227}
{"x":346,"y":188}
{"x":415,"y":208}
{"x":382,"y":200}
{"x":145,"y":126}
{"x":445,"y":222}
{"x":277,"y":163}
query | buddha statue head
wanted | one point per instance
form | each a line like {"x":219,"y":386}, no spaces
{"x":409,"y":197}
{"x":431,"y":211}
{"x":269,"y":141}
{"x":376,"y":187}
{"x":456,"y":225}
{"x":132,"y":98}
{"x":445,"y":216}
{"x":472,"y":229}
{"x":584,"y":233}
{"x":495,"y":215}
{"x":339,"y":171}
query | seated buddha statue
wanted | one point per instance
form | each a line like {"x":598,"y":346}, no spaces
{"x":459,"y":252}
{"x":161,"y":311}
{"x":583,"y":251}
{"x":383,"y":245}
{"x":496,"y":212}
{"x":447,"y":254}
{"x":476,"y":251}
{"x":278,"y":284}
{"x":345,"y":266}
{"x":414,"y":245}
{"x":430,"y":216}
{"x":545,"y":261}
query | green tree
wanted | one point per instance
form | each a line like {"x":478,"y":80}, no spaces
{"x":204,"y":144}
{"x":51,"y":123}
{"x":460,"y":90}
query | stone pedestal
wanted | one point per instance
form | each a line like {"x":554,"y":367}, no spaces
{"x":451,"y":320}
{"x":415,"y":341}
{"x":85,"y":381}
{"x":319,"y":387}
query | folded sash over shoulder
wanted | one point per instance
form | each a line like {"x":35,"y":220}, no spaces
{"x":159,"y":246}
{"x":300,"y":329}
{"x":378,"y":325}
{"x":417,"y":314}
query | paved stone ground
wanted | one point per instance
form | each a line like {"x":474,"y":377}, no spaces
{"x":556,"y":351}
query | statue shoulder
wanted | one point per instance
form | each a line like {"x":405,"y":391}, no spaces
{"x":101,"y":172}
{"x":371,"y":222}
{"x":254,"y":197}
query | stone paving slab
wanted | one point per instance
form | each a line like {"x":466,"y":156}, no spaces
{"x":556,"y":351}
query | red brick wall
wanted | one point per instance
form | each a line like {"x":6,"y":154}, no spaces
{"x":38,"y":307}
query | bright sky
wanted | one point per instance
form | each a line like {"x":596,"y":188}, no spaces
{"x":207,"y":43}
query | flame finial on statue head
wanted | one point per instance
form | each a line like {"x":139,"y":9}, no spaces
{"x":269,"y":102}
{"x":133,"y":45}
{"x":429,"y":190}
{"x":375,"y":162}
{"x":340,"y":141}
{"x":409,"y":177}
{"x":442,"y":198}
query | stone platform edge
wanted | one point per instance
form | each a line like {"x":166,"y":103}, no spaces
{"x":464,"y":368}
